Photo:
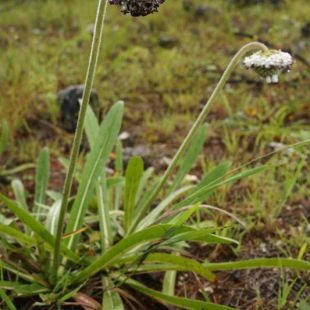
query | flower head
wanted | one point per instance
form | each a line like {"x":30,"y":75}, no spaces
{"x":269,"y":64}
{"x":138,"y":7}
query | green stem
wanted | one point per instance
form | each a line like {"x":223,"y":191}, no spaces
{"x":197,"y":124}
{"x":94,"y":53}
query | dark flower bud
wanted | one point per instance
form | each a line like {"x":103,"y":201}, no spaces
{"x":138,"y":7}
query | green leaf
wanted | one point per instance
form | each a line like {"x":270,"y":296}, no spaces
{"x":143,"y":184}
{"x":7,"y":300}
{"x":261,"y":263}
{"x":106,"y":234}
{"x":91,"y":126}
{"x":17,"y":169}
{"x":114,"y":181}
{"x":96,"y":160}
{"x":200,"y":236}
{"x":4,"y":136}
{"x":118,"y":191}
{"x":183,"y":303}
{"x":42,"y":179}
{"x":173,"y":259}
{"x":38,"y":228}
{"x":169,"y":282}
{"x":190,"y":158}
{"x":131,"y":241}
{"x":132,"y":180}
{"x":22,"y":238}
{"x":51,"y":222}
{"x":184,"y":216}
{"x":30,"y":289}
{"x":154,"y":214}
{"x":19,"y":192}
{"x":214,"y":175}
{"x":201,"y":194}
{"x":111,"y":298}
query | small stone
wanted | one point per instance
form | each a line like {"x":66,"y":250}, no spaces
{"x":68,"y":100}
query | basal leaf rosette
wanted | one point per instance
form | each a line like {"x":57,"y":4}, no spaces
{"x":269,"y":64}
{"x":138,"y":7}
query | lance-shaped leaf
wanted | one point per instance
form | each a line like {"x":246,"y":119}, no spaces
{"x":96,"y":160}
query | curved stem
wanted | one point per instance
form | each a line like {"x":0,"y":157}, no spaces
{"x":248,"y":47}
{"x":94,"y":53}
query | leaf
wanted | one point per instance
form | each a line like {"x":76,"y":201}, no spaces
{"x":198,"y":235}
{"x":118,"y":191}
{"x":6,"y":299}
{"x":169,"y":282}
{"x":133,"y":176}
{"x":154,"y":214}
{"x":24,"y":289}
{"x":190,"y":158}
{"x":201,"y":194}
{"x":214,"y":175}
{"x":42,"y":179}
{"x":123,"y":247}
{"x":106,"y":234}
{"x":91,"y":126}
{"x":187,"y":263}
{"x":38,"y":228}
{"x":111,"y":298}
{"x":17,"y":169}
{"x":30,"y":289}
{"x":19,"y":192}
{"x":86,"y":301}
{"x":179,"y":219}
{"x":51,"y":222}
{"x":183,"y":303}
{"x":4,"y":136}
{"x":260,"y":263}
{"x":22,"y":238}
{"x":96,"y":160}
{"x":143,"y":182}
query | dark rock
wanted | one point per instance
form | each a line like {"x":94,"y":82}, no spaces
{"x":305,"y":30}
{"x":168,"y":42}
{"x":68,"y":100}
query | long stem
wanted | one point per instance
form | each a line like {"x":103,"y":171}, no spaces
{"x":248,"y":47}
{"x":94,"y":53}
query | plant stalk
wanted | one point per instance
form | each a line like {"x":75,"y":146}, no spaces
{"x":94,"y":53}
{"x":248,"y":47}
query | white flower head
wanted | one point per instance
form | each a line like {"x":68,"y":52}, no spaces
{"x":269,"y":64}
